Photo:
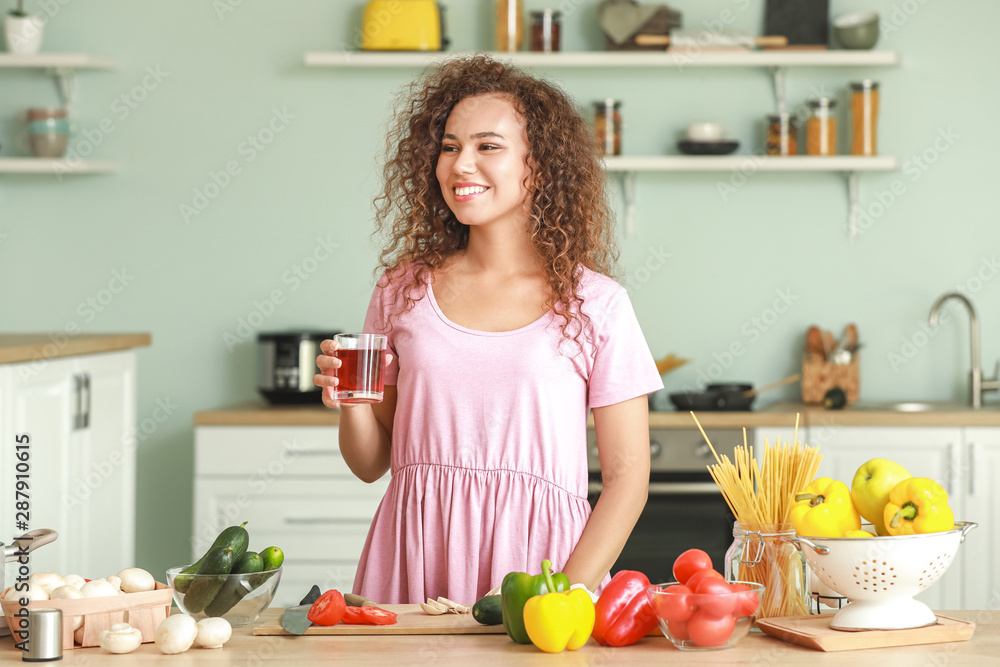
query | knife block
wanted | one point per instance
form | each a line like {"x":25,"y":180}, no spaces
{"x":819,"y":376}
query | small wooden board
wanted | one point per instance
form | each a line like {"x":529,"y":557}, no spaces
{"x":815,"y":632}
{"x":411,"y":621}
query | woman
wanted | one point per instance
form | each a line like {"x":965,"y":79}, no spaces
{"x":503,"y":332}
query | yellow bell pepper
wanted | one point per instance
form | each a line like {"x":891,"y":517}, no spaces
{"x":825,"y":509}
{"x":559,"y":621}
{"x":918,"y":505}
{"x":858,"y":533}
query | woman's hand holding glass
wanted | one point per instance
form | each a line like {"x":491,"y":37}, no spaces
{"x":351,"y":369}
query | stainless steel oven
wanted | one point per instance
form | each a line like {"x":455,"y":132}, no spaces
{"x":685,"y":509}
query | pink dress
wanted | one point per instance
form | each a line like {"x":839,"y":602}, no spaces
{"x":489,"y":443}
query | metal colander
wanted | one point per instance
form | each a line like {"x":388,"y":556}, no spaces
{"x":880,"y":575}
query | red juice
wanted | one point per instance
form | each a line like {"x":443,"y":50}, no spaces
{"x":360,"y":376}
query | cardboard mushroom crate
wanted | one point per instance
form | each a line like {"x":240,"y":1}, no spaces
{"x":145,"y":611}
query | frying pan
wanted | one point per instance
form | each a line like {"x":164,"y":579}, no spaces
{"x":727,"y":396}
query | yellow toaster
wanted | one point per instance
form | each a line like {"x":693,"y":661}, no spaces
{"x":402,"y":25}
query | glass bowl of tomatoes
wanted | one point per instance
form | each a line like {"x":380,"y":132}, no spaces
{"x":717,"y":616}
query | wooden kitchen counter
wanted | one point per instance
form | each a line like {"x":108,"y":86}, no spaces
{"x":247,"y":650}
{"x":16,"y":348}
{"x":778,"y":415}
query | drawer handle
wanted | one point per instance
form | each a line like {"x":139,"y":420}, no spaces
{"x":320,"y":520}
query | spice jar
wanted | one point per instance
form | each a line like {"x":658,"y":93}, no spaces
{"x":821,"y":127}
{"x":608,"y":126}
{"x":864,"y":114}
{"x":509,"y":25}
{"x":759,"y":554}
{"x":545,"y":30}
{"x":782,"y":135}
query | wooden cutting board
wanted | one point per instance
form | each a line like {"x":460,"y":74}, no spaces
{"x":411,"y":621}
{"x":815,"y":632}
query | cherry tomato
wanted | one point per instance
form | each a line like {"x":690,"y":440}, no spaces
{"x":679,"y":631}
{"x":378,"y":616}
{"x":746,"y":602}
{"x":690,"y":562}
{"x":674,"y":604}
{"x":714,"y":597}
{"x":328,"y":609}
{"x":697,"y":577}
{"x":708,"y":630}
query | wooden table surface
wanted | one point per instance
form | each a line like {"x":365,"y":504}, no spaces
{"x":246,"y":650}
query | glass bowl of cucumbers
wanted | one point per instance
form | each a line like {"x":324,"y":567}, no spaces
{"x":239,"y":598}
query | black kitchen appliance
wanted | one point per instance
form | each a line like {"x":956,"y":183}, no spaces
{"x":286,"y":364}
{"x":685,"y":509}
{"x":730,"y":396}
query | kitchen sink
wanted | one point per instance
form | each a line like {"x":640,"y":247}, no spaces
{"x":910,"y":406}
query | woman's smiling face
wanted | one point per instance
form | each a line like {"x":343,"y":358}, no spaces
{"x":482,"y":169}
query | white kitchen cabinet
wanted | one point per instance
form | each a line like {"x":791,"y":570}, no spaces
{"x":80,"y":415}
{"x":294,"y":489}
{"x":979,"y":478}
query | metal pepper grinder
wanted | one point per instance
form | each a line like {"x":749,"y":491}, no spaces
{"x":44,"y":640}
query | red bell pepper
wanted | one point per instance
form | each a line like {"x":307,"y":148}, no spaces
{"x":624,"y":614}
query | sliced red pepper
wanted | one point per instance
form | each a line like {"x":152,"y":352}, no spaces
{"x":328,"y":609}
{"x":623,"y":612}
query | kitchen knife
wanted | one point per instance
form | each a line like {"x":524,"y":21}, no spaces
{"x":295,"y":619}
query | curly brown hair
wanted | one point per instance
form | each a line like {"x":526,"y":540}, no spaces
{"x":570,"y":222}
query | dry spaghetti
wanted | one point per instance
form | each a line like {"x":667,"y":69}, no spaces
{"x":761,"y":496}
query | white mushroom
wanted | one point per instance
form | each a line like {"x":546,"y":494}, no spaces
{"x":136,"y":580}
{"x":213,"y":632}
{"x":98,"y":588}
{"x":176,"y":634}
{"x":78,"y":636}
{"x":29,"y":591}
{"x":47,"y":580}
{"x":120,"y":638}
{"x":68,"y":593}
{"x":74,"y":580}
{"x":116,"y":582}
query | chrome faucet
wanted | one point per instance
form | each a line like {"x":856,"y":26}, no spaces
{"x":977,"y":385}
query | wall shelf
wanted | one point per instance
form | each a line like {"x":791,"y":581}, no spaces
{"x":663,"y":59}
{"x":776,"y":62}
{"x":63,"y":67}
{"x":56,"y":61}
{"x":53,"y":166}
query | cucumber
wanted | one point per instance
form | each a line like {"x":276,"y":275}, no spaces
{"x":488,"y":610}
{"x":236,"y":537}
{"x":236,"y":588}
{"x":272,"y":557}
{"x":218,"y":561}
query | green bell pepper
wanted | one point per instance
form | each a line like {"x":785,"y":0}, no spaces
{"x":516,"y":589}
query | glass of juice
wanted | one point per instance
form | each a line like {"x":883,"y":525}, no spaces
{"x":362,"y":358}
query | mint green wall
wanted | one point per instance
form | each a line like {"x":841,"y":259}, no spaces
{"x":224,"y":75}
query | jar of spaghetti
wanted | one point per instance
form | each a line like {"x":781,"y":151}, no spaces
{"x":760,"y":554}
{"x":782,"y":135}
{"x":608,"y":126}
{"x":821,"y":127}
{"x":545,"y":30}
{"x":864,"y":114}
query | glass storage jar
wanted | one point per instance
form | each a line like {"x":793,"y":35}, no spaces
{"x":509,"y":25}
{"x":864,"y":114}
{"x":821,"y":127}
{"x":608,"y":126}
{"x":782,"y":135}
{"x":759,"y":554}
{"x":544,"y":31}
